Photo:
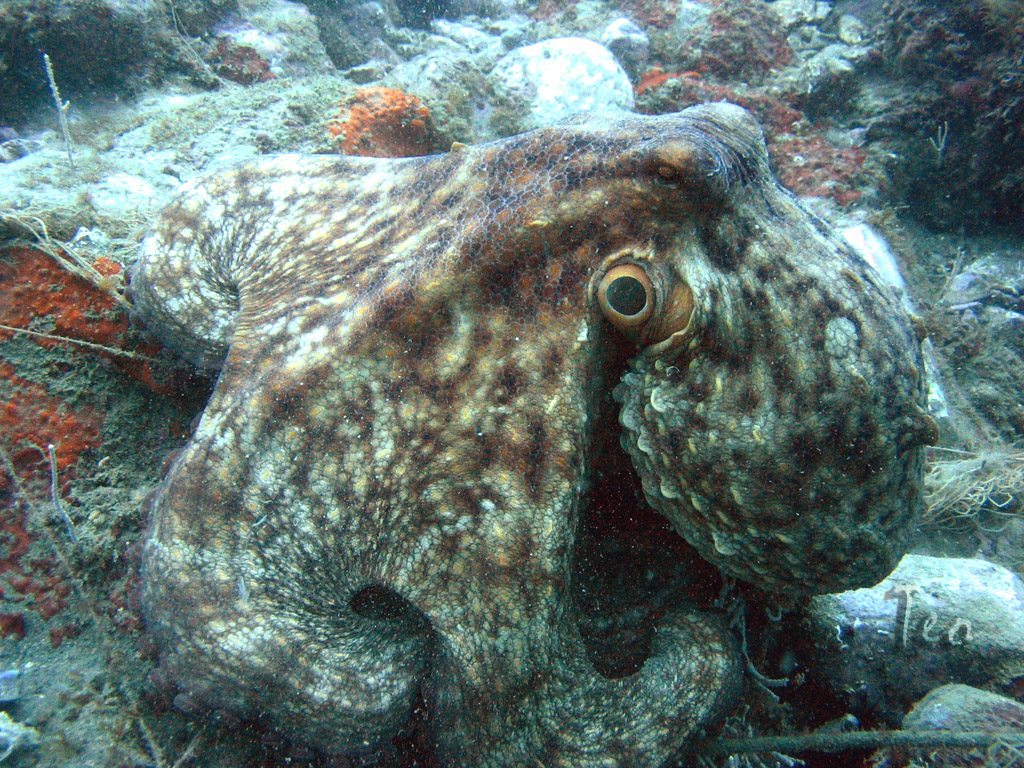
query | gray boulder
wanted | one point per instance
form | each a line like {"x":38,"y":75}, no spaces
{"x":544,"y":83}
{"x":932,"y":621}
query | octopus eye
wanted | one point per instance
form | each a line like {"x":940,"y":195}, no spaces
{"x":626,"y":296}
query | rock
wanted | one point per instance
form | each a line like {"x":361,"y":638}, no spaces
{"x":471,"y":38}
{"x":122,"y":195}
{"x":17,"y":148}
{"x":451,"y":85}
{"x":354,"y":34}
{"x":875,"y":251}
{"x":10,"y":685}
{"x":852,"y":30}
{"x":795,"y":13}
{"x":14,"y":735}
{"x":826,"y":80}
{"x":282,"y":32}
{"x":91,"y":45}
{"x":546,"y":82}
{"x":802,"y":20}
{"x":487,"y":8}
{"x":983,"y":301}
{"x":932,"y":621}
{"x":739,"y":39}
{"x":690,"y":16}
{"x":629,"y":44}
{"x":956,"y":707}
{"x":962,"y":707}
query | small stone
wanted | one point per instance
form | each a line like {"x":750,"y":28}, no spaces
{"x":15,"y":149}
{"x":629,"y":44}
{"x":281,"y":32}
{"x":14,"y":735}
{"x":852,"y":30}
{"x":796,"y":12}
{"x":10,"y":685}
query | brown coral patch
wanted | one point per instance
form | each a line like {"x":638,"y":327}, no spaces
{"x":240,"y":63}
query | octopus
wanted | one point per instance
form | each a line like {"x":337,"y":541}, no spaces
{"x":380,"y":503}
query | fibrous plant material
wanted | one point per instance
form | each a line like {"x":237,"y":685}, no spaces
{"x":967,"y":484}
{"x":64,"y":254}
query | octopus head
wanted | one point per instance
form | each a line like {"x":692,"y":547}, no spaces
{"x":775,"y":408}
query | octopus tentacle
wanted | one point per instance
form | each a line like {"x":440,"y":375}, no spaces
{"x":245,"y":633}
{"x":575,"y":716}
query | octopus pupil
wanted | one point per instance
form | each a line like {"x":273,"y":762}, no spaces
{"x":627,"y":295}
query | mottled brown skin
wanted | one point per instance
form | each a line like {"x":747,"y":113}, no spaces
{"x":384,"y":490}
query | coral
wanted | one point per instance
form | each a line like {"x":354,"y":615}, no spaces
{"x":656,"y":77}
{"x":33,"y":286}
{"x":240,"y":63}
{"x":740,"y":39}
{"x":49,"y":318}
{"x":31,"y":419}
{"x":41,"y":296}
{"x":660,"y":92}
{"x":37,"y":294}
{"x":811,"y":165}
{"x":12,"y":625}
{"x":383,"y":122}
{"x":1002,"y":17}
{"x":963,"y":64}
{"x":658,"y":14}
{"x":550,"y":9}
{"x":28,"y":579}
{"x":67,"y":528}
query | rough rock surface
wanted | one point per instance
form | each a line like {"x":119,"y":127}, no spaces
{"x":934,"y":620}
{"x":546,"y":82}
{"x":961,"y":708}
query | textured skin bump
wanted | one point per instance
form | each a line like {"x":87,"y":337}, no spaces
{"x":383,"y":493}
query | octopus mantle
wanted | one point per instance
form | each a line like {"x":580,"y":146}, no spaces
{"x":382,"y":497}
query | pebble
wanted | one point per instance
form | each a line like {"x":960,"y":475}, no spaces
{"x":629,"y":44}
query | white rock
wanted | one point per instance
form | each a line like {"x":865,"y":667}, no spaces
{"x":852,"y":30}
{"x":629,"y":44}
{"x":473,"y":39}
{"x":282,"y":32}
{"x":872,"y":247}
{"x":544,"y":83}
{"x":934,"y":620}
{"x":122,"y":194}
{"x":796,"y":12}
